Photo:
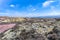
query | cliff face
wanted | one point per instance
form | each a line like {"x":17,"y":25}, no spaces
{"x":9,"y":20}
{"x":30,"y":29}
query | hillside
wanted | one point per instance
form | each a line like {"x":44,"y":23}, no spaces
{"x":14,"y":28}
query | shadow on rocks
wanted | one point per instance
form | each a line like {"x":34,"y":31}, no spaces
{"x":31,"y":35}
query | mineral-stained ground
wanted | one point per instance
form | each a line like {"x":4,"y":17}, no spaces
{"x":29,"y":28}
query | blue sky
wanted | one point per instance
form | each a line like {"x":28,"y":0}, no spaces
{"x":29,"y":8}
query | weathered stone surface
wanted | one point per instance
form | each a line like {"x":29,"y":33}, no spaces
{"x":30,"y":29}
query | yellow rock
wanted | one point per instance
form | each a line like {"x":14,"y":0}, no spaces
{"x":14,"y":20}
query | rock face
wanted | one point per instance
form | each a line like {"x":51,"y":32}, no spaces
{"x":30,"y":29}
{"x":9,"y":20}
{"x":4,"y":27}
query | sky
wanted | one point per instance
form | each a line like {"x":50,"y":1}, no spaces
{"x":29,"y":8}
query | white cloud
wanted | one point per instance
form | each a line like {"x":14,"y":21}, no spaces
{"x":25,"y":14}
{"x":52,"y":13}
{"x":31,"y":8}
{"x":55,"y":13}
{"x":12,"y":5}
{"x":47,"y":3}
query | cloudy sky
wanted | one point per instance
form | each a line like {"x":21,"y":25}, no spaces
{"x":29,"y":8}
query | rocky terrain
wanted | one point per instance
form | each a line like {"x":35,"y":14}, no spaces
{"x":12,"y":28}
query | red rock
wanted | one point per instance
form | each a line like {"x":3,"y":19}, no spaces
{"x":5,"y":27}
